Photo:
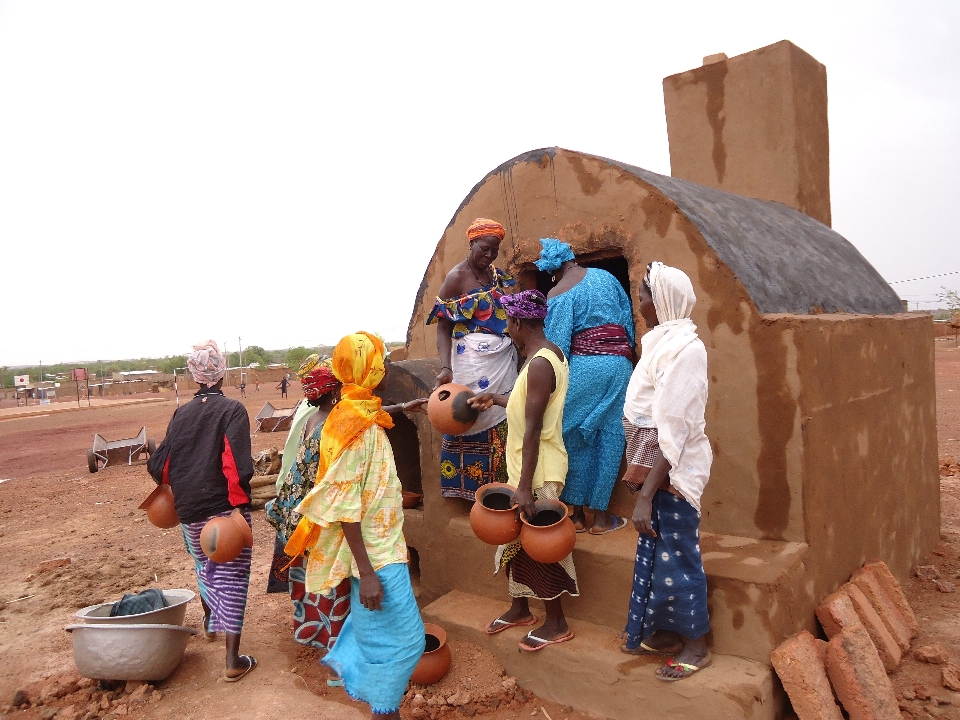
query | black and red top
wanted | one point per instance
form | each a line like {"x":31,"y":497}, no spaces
{"x":206,"y":456}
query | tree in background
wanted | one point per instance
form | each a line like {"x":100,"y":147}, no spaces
{"x":951,"y":298}
{"x":169,"y":364}
{"x":295,"y":356}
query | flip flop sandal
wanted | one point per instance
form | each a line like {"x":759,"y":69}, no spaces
{"x":686,"y":668}
{"x":543,"y":643}
{"x":335,"y":682}
{"x":498,"y":625}
{"x":645,"y":649}
{"x":236,"y":678}
{"x":618,"y":523}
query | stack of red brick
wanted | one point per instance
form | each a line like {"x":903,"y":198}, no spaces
{"x":870,"y":625}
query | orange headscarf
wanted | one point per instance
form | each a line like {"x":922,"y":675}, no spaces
{"x":358,"y":364}
{"x":481,"y":227}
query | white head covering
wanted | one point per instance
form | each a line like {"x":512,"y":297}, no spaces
{"x":672,"y":292}
{"x":206,"y":364}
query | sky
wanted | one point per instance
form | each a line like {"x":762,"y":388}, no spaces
{"x":280,"y":173}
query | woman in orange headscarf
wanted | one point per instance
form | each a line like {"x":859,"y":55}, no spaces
{"x":353,"y":527}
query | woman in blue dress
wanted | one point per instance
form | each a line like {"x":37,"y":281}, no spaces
{"x":591,"y":320}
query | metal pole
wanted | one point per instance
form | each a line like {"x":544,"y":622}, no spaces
{"x":240,"y":344}
{"x":226,"y":354}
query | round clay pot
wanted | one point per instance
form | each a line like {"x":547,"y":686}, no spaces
{"x":435,"y":661}
{"x":493,"y":517}
{"x":411,"y":499}
{"x":448,"y":409}
{"x":221,"y":539}
{"x":245,"y":529}
{"x":160,"y":508}
{"x":549,"y":536}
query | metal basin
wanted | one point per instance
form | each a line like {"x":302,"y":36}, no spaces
{"x":173,"y":614}
{"x":128,"y":652}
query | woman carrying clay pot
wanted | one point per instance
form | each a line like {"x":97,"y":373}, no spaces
{"x":669,"y":459}
{"x":590,"y":319}
{"x":206,"y":459}
{"x":352,"y":526}
{"x":537,"y":466}
{"x":317,"y":618}
{"x":475,"y":351}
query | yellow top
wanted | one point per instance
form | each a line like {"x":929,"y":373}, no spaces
{"x":552,"y":463}
{"x":361,"y":486}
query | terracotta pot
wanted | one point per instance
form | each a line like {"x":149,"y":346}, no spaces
{"x":221,"y":539}
{"x":549,"y":536}
{"x":436,"y":657}
{"x":160,"y":508}
{"x":411,"y":499}
{"x":245,"y":529}
{"x":448,"y":410}
{"x":492,"y":516}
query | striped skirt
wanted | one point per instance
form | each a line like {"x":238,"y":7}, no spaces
{"x":223,"y":586}
{"x":532,"y":579}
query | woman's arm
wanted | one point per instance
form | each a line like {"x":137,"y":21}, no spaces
{"x":444,"y":350}
{"x":541,"y":382}
{"x":657,"y":478}
{"x":371,"y":589}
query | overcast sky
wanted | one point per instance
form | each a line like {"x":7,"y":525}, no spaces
{"x":282,"y":172}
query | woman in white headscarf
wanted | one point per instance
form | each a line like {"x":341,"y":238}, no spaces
{"x":668,"y":460}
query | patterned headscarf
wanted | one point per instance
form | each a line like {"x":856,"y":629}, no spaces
{"x":358,"y":364}
{"x":553,"y":254}
{"x":206,"y":364}
{"x":319,"y":380}
{"x":310,"y":363}
{"x":482,"y":226}
{"x":529,"y":305}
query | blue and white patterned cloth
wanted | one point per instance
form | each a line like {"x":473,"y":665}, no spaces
{"x":669,"y":584}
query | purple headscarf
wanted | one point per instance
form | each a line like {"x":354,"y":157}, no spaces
{"x":526,"y":305}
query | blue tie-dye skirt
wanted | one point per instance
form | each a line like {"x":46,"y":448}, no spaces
{"x":669,"y":584}
{"x":377,"y":650}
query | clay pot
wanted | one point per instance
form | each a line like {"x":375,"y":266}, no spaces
{"x":493,"y":517}
{"x":435,"y":661}
{"x":549,"y":536}
{"x":222,"y":539}
{"x":245,"y":529}
{"x":411,"y":499}
{"x":448,"y":409}
{"x":160,"y":508}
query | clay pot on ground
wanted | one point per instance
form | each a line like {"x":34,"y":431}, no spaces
{"x":222,"y":539}
{"x":435,"y":663}
{"x":160,"y":508}
{"x":448,"y":410}
{"x":549,"y":536}
{"x":411,"y":499}
{"x":492,"y":517}
{"x":245,"y":529}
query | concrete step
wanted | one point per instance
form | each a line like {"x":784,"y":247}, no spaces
{"x":589,"y":673}
{"x":758,"y":592}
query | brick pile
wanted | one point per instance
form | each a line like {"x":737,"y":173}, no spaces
{"x":869,"y":624}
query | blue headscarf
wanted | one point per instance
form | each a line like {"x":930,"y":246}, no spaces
{"x":553,"y":254}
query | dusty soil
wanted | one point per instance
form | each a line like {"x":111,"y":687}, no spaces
{"x":51,"y":507}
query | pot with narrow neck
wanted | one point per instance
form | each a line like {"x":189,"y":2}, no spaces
{"x":449,"y":411}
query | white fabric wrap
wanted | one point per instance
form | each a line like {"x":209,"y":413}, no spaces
{"x":485,"y":363}
{"x":668,"y":388}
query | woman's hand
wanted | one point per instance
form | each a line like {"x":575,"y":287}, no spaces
{"x":643,"y":516}
{"x":371,"y":591}
{"x":524,"y":502}
{"x":481,"y":402}
{"x":443,"y":377}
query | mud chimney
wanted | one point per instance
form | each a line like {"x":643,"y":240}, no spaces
{"x":755,"y":125}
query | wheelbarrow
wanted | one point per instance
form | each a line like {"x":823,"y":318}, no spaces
{"x":106,"y":451}
{"x":271,"y":419}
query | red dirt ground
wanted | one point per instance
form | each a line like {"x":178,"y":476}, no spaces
{"x":52,"y":507}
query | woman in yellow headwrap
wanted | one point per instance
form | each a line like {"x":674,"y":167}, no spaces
{"x":353,"y":527}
